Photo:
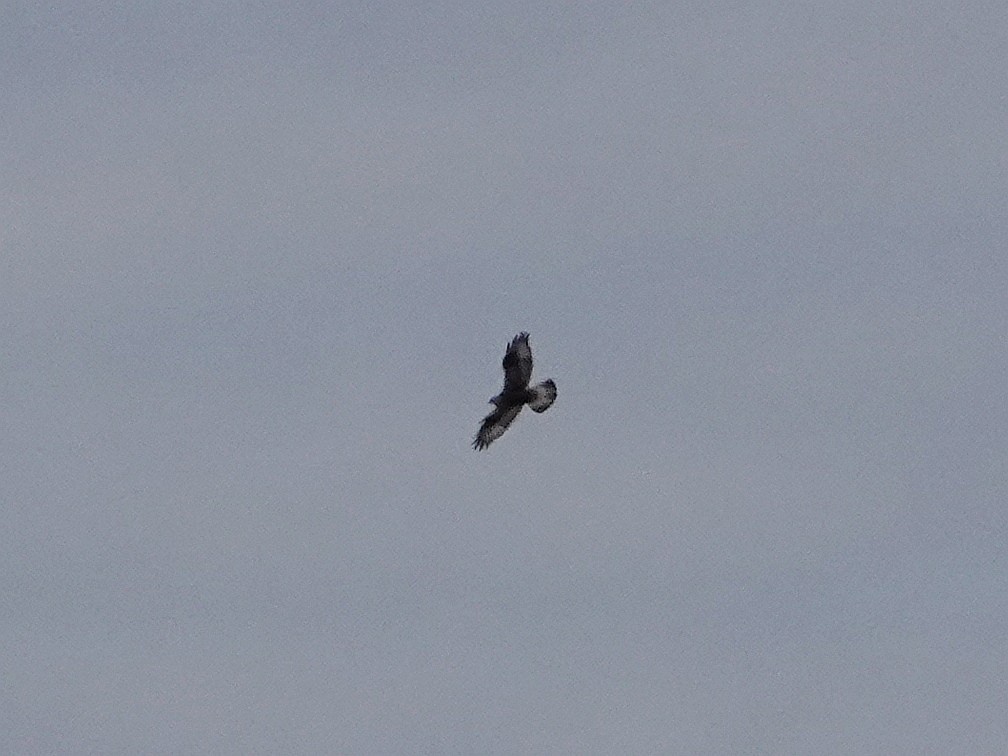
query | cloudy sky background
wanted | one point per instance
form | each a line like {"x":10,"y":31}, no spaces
{"x":259,"y":265}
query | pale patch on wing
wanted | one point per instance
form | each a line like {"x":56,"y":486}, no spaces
{"x":494,"y":426}
{"x":545,"y":394}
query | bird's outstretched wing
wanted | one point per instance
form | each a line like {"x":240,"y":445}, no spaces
{"x":517,"y":363}
{"x":494,"y":425}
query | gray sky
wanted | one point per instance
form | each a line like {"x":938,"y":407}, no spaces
{"x":258,"y":270}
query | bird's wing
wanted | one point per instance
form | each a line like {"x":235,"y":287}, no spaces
{"x":517,"y":363}
{"x":494,"y":425}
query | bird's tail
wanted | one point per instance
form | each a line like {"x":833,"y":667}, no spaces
{"x":545,"y":393}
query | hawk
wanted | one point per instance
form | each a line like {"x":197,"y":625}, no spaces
{"x":516,"y":393}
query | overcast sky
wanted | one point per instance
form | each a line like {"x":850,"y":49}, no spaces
{"x":259,"y":266}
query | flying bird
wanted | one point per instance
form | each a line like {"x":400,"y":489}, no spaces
{"x":516,"y":394}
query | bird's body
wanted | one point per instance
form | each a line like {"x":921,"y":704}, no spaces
{"x":516,"y":394}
